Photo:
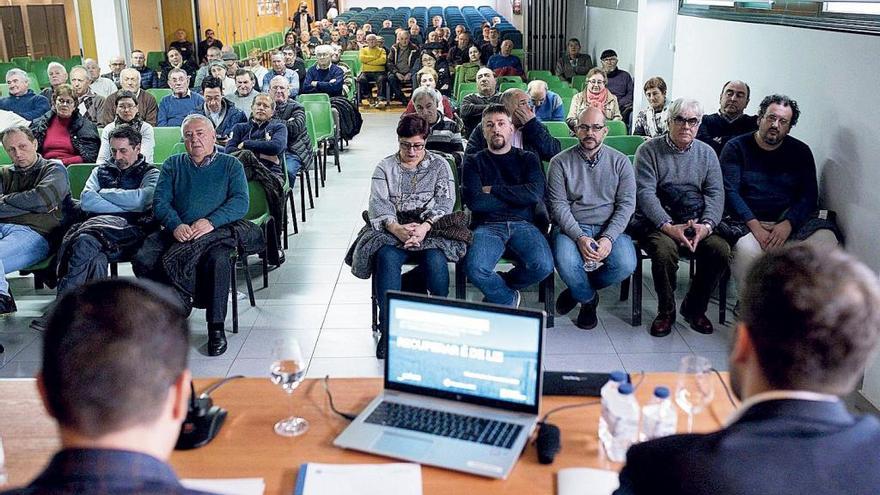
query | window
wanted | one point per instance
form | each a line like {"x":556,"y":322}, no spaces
{"x":851,"y":17}
{"x":716,"y":3}
{"x":852,"y":8}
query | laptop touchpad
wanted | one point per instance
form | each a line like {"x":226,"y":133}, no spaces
{"x":403,"y":445}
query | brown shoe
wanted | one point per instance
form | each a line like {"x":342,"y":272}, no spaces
{"x":698,"y":322}
{"x":662,"y":325}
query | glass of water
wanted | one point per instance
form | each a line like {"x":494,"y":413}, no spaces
{"x":695,"y":390}
{"x":288,"y":370}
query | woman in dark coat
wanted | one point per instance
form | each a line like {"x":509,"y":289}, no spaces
{"x":63,"y":134}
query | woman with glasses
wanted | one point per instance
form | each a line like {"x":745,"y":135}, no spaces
{"x":651,"y":121}
{"x":63,"y":134}
{"x":127,"y":114}
{"x":595,"y":94}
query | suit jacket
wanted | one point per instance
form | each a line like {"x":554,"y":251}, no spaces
{"x":779,"y":447}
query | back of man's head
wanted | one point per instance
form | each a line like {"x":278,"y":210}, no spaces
{"x":813,"y":316}
{"x":111,"y":352}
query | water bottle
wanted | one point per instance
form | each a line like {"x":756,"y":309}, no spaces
{"x":659,"y":418}
{"x":3,"y":476}
{"x":592,"y":265}
{"x":622,"y":419}
{"x":614,"y":380}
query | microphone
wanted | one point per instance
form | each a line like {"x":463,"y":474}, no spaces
{"x":203,"y":420}
{"x":548,"y":443}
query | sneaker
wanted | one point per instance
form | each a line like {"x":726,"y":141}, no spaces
{"x":587,"y":319}
{"x":7,"y":305}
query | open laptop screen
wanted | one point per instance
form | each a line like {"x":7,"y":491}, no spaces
{"x":465,"y":351}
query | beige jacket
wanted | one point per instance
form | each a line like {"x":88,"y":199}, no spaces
{"x":579,"y":102}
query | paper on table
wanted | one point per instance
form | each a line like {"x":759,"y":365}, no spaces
{"x":364,"y":479}
{"x":580,"y":481}
{"x":227,"y":486}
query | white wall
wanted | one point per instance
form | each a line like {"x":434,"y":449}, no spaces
{"x":655,"y":43}
{"x":109,"y":39}
{"x":616,"y":29}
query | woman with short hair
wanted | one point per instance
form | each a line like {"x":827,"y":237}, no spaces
{"x":63,"y":134}
{"x":594,"y":94}
{"x":127,"y":114}
{"x":651,"y":121}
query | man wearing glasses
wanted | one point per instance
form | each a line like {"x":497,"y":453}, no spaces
{"x":117,"y":63}
{"x":546,"y":104}
{"x":680,"y":199}
{"x":620,"y":82}
{"x":591,"y":197}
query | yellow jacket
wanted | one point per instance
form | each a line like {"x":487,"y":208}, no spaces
{"x":372,"y":59}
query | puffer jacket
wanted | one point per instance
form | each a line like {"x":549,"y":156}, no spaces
{"x":83,"y":134}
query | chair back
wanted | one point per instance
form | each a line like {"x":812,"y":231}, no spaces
{"x":507,"y":85}
{"x":78,"y":174}
{"x":465,"y":89}
{"x":166,"y":138}
{"x":616,"y":127}
{"x":258,"y":205}
{"x":159,"y":93}
{"x":567,"y":142}
{"x":323,"y":118}
{"x":4,"y":157}
{"x":577,"y":82}
{"x":625,"y":144}
{"x":313,"y":97}
{"x":557,"y":129}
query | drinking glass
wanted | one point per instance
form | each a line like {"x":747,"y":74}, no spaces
{"x":287,"y":371}
{"x":695,"y":389}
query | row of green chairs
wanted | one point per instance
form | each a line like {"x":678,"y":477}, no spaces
{"x":561,"y":129}
{"x":624,"y":144}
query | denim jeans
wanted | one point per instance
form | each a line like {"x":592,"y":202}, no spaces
{"x":523,"y":243}
{"x":293,"y":165}
{"x":389,"y":261}
{"x":619,"y":264}
{"x":20,"y":247}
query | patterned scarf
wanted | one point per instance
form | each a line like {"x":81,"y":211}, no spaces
{"x":597,"y":100}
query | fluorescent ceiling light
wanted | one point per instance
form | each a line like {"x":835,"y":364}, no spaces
{"x":852,"y":8}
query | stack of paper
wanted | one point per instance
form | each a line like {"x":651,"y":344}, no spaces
{"x":581,"y":481}
{"x":363,"y":479}
{"x":227,"y":486}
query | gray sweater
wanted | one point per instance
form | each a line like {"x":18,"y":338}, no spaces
{"x":430,"y":186}
{"x":658,"y":164}
{"x":603,"y":194}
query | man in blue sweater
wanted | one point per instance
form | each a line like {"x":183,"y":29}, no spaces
{"x":181,"y":102}
{"x":197,"y":192}
{"x":502,"y":186}
{"x":21,"y":99}
{"x":263,"y":135}
{"x":324,"y":76}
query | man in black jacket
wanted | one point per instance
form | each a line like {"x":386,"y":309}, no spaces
{"x":292,"y":113}
{"x":809,"y":326}
{"x":528,"y":133}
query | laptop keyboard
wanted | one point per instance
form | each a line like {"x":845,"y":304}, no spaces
{"x":445,"y":424}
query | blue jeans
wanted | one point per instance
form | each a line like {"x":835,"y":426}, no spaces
{"x":523,"y":243}
{"x":20,"y":247}
{"x":389,"y":261}
{"x":619,"y":264}
{"x":293,"y":164}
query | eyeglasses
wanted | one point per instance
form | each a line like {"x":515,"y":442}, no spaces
{"x":126,"y":107}
{"x":586,"y":127}
{"x":691,"y":122}
{"x":63,"y":102}
{"x":776,"y":120}
{"x":118,"y":64}
{"x":411,"y":146}
{"x":597,"y":82}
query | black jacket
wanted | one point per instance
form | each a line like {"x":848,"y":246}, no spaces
{"x":83,"y":134}
{"x":536,"y":138}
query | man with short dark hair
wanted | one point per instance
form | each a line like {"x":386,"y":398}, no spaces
{"x":181,"y":102}
{"x":222,"y":112}
{"x":573,"y":63}
{"x":244,"y":93}
{"x":279,"y":69}
{"x":458,"y":54}
{"x":528,"y":132}
{"x":22,"y":100}
{"x":292,"y":62}
{"x":148,"y":75}
{"x":117,"y":422}
{"x":209,"y":42}
{"x":473,"y":105}
{"x":731,"y":120}
{"x":619,"y":82}
{"x":810,"y":325}
{"x":490,"y":47}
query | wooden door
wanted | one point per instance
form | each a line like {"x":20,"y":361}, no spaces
{"x":145,"y":33}
{"x":13,"y":32}
{"x":48,"y":31}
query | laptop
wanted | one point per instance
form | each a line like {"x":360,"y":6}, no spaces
{"x":462,"y":385}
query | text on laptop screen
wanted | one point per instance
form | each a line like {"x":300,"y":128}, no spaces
{"x":481,"y":353}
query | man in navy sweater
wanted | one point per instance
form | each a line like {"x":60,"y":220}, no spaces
{"x":502,"y":186}
{"x":731,"y":120}
{"x":181,"y":102}
{"x":263,"y":135}
{"x":324,"y":76}
{"x":22,"y":100}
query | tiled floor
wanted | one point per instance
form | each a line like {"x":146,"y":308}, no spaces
{"x":314,"y":299}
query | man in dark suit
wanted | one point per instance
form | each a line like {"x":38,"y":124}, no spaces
{"x":810,"y":324}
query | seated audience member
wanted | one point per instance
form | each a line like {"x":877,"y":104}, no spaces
{"x":117,"y":423}
{"x":117,"y":63}
{"x":484,"y":29}
{"x":100,"y":85}
{"x":443,"y":81}
{"x":400,"y":61}
{"x":305,"y":47}
{"x":230,"y":60}
{"x":294,"y":63}
{"x":573,"y":63}
{"x":428,"y":79}
{"x":174,"y":60}
{"x":809,"y":328}
{"x":458,"y":54}
{"x":771,"y":188}
{"x":255,"y":67}
{"x":279,"y":69}
{"x":22,"y":100}
{"x":349,"y":83}
{"x":502,"y":186}
{"x":209,"y":42}
{"x":373,"y":60}
{"x":267,"y":138}
{"x":90,"y":104}
{"x":386,"y":24}
{"x":504,"y":63}
{"x":491,"y":47}
{"x":473,"y":105}
{"x":298,"y":151}
{"x":546,"y":104}
{"x":181,"y":102}
{"x":325,"y":76}
{"x":245,"y":91}
{"x":470,"y":68}
{"x":198,"y":193}
{"x":437,"y":22}
{"x":444,"y":133}
{"x":222,"y":112}
{"x":63,"y":133}
{"x":528,"y":133}
{"x":360,"y":38}
{"x":415,"y":35}
{"x":618,"y":81}
{"x":148,"y":109}
{"x":594,"y":94}
{"x":731,"y":120}
{"x":148,"y":76}
{"x":57,"y":75}
{"x":11,"y":119}
{"x":651,"y":121}
{"x":411,"y":190}
{"x":184,"y":47}
{"x":127,"y":114}
{"x":218,"y":71}
{"x":591,"y":194}
{"x":32,"y":191}
{"x":680,"y":199}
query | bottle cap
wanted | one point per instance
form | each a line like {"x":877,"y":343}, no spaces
{"x":661,"y":392}
{"x":625,"y":388}
{"x":617,"y":376}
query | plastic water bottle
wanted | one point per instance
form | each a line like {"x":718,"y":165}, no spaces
{"x":610,"y":387}
{"x":592,"y":265}
{"x":659,"y":418}
{"x":622,"y":418}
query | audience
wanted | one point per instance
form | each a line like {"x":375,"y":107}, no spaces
{"x":32,"y":191}
{"x":400,"y":61}
{"x":245,"y":91}
{"x":184,"y":47}
{"x":573,"y":63}
{"x":63,"y":133}
{"x":591,"y":195}
{"x":22,"y":100}
{"x":373,"y":60}
{"x":504,"y":63}
{"x":325,"y":76}
{"x":90,"y":104}
{"x":174,"y":60}
{"x":470,"y":68}
{"x":181,"y":102}
{"x":730,"y":121}
{"x":618,"y":81}
{"x":147,"y":106}
{"x":491,"y":47}
{"x":298,"y":150}
{"x":117,"y":63}
{"x":809,"y":328}
{"x":264,"y":136}
{"x":148,"y":76}
{"x":279,"y":69}
{"x":428,"y":79}
{"x":594,"y":94}
{"x":502,"y":185}
{"x":212,"y":54}
{"x":127,"y":114}
{"x":651,"y":121}
{"x":222,"y":112}
{"x":429,"y":58}
{"x":473,"y":105}
{"x":546,"y":104}
{"x":102,"y":86}
{"x":680,"y":200}
{"x":444,"y":133}
{"x":207,"y":43}
{"x":218,"y":70}
{"x":57,"y":75}
{"x":527,"y":133}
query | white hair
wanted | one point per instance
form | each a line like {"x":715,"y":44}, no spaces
{"x":322,"y":49}
{"x":189,"y":119}
{"x":18,"y":72}
{"x":55,"y":65}
{"x":537,"y":84}
{"x":423,"y":91}
{"x":680,"y":105}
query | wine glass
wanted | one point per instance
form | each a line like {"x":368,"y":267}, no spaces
{"x":287,"y":371}
{"x":694,"y":390}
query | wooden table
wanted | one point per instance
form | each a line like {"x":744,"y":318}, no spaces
{"x":248,"y":447}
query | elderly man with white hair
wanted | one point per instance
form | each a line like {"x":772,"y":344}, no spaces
{"x":100,"y":85}
{"x":117,"y":63}
{"x":324,"y":76}
{"x":148,"y":108}
{"x":57,"y":75}
{"x":445,"y":133}
{"x":89,"y":103}
{"x":22,"y":100}
{"x":547,"y":104}
{"x":680,"y":200}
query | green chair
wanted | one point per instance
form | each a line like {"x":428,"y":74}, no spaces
{"x":325,"y":131}
{"x":4,"y":157}
{"x":558,"y":129}
{"x":178,"y":149}
{"x":6,"y":67}
{"x":33,"y":82}
{"x":508,"y":85}
{"x":159,"y":93}
{"x":316,"y":150}
{"x":39,"y":69}
{"x":258,"y":214}
{"x":514,"y":79}
{"x":465,"y":89}
{"x":624,"y":144}
{"x":565,"y":92}
{"x":288,"y":199}
{"x":577,"y":82}
{"x":166,"y":138}
{"x":78,"y":174}
{"x":42,"y":271}
{"x":313,"y":97}
{"x":567,"y":142}
{"x":616,"y":128}
{"x":4,"y":89}
{"x":566,"y":104}
{"x":542,"y":75}
{"x":23,"y":63}
{"x":632,"y":158}
{"x":154,"y":59}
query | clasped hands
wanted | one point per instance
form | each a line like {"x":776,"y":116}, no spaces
{"x":185,"y":232}
{"x":410,"y":234}
{"x":676,"y":232}
{"x":770,"y":235}
{"x":585,"y":246}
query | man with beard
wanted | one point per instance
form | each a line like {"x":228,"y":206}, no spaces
{"x":809,"y":327}
{"x":528,"y":132}
{"x":731,"y":120}
{"x":502,"y":186}
{"x":472,"y":105}
{"x":591,"y":197}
